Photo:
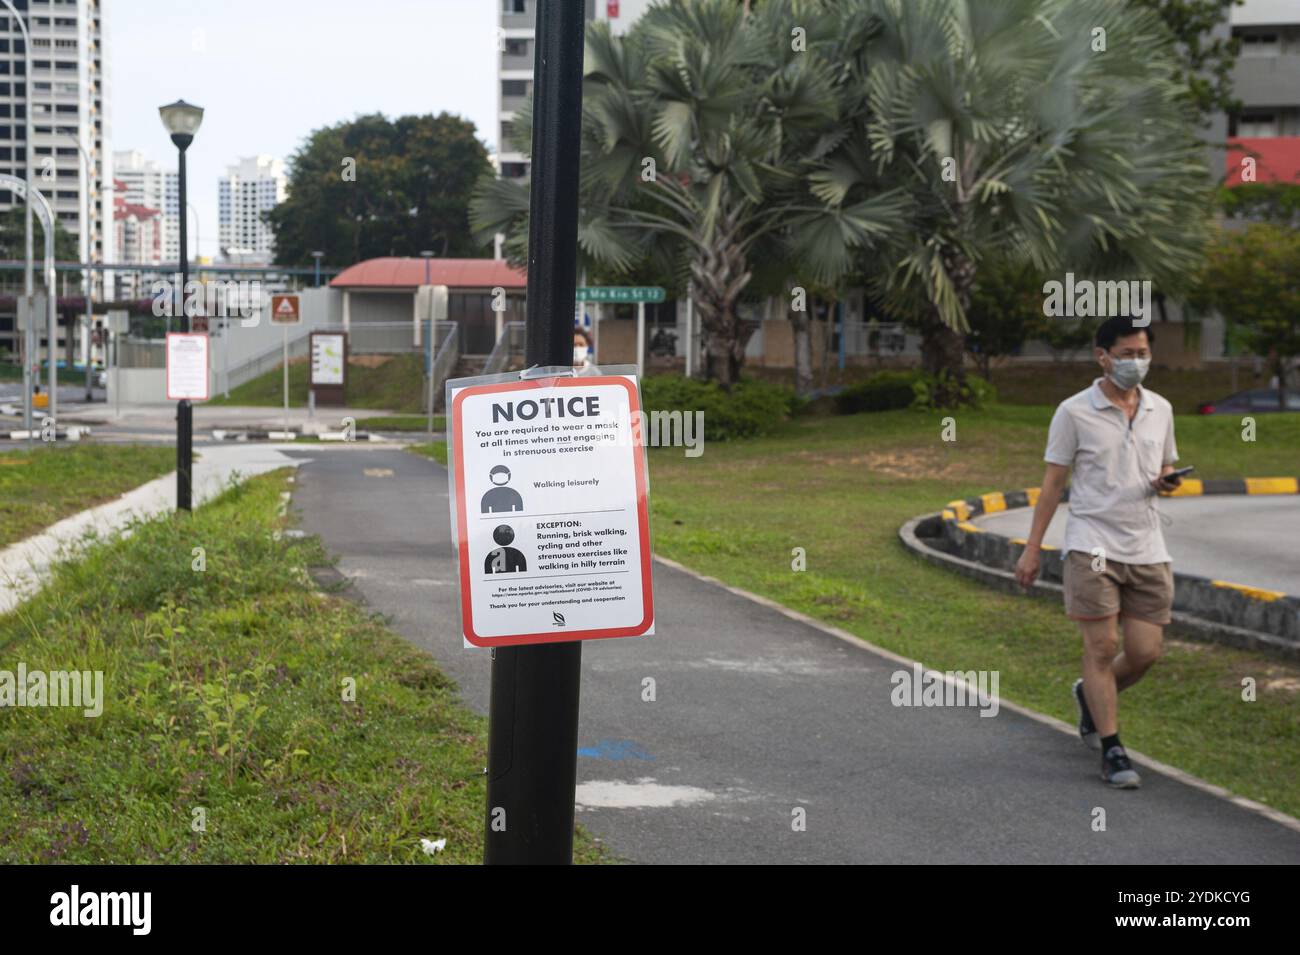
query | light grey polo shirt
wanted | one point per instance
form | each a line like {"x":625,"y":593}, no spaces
{"x":1112,"y":503}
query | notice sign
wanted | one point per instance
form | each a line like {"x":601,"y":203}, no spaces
{"x":327,"y":358}
{"x":549,"y":510}
{"x":187,"y":366}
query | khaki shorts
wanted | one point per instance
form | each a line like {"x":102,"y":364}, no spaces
{"x":1142,"y":591}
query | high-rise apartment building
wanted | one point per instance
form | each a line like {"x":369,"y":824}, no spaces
{"x":249,"y":188}
{"x":516,"y":38}
{"x":1266,"y":81}
{"x":141,"y":182}
{"x":67,"y":93}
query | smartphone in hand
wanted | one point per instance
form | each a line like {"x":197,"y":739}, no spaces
{"x":1175,"y":478}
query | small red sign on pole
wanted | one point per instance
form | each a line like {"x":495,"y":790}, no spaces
{"x":285,"y":310}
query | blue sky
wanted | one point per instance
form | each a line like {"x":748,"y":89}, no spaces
{"x":268,"y":72}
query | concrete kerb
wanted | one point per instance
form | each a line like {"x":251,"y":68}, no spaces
{"x":1221,"y":611}
{"x":26,"y":564}
{"x":60,"y":434}
{"x":280,"y":436}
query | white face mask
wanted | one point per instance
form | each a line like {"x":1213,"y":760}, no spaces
{"x":579,"y":354}
{"x":1128,"y":373}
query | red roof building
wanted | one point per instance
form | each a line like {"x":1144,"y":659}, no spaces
{"x":382,"y":292}
{"x":1277,"y":158}
{"x":406,"y":273}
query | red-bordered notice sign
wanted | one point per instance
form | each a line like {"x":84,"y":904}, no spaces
{"x":187,"y":366}
{"x":550,"y":510}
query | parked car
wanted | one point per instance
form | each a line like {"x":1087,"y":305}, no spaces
{"x":1256,"y":401}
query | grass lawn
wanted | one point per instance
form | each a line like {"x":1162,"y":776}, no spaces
{"x":53,"y":481}
{"x":841,"y":487}
{"x":395,"y":383}
{"x":435,"y":449}
{"x":67,"y":376}
{"x":224,"y":691}
{"x":401,"y":423}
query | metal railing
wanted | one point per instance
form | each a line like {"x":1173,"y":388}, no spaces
{"x":267,"y":360}
{"x":377,"y":338}
{"x":510,"y":343}
{"x":444,"y":360}
{"x":141,"y":353}
{"x":364,"y":338}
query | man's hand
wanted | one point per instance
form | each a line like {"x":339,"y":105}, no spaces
{"x":1166,"y":482}
{"x":1027,"y":566}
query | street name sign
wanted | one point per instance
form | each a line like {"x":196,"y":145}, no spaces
{"x":621,"y":293}
{"x":550,"y":509}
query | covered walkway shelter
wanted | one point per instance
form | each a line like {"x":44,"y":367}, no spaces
{"x":385,"y":290}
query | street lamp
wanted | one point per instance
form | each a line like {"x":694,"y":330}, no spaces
{"x":90,"y":256}
{"x":318,"y":256}
{"x":182,"y":121}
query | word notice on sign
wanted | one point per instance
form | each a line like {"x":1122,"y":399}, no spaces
{"x":550,"y":510}
{"x":187,"y":366}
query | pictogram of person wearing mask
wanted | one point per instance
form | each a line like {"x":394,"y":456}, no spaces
{"x":504,"y":559}
{"x":501,"y":499}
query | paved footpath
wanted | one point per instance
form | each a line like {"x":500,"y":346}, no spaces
{"x":24,"y":566}
{"x":758,"y":713}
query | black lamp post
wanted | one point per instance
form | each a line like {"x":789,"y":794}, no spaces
{"x":182,"y":120}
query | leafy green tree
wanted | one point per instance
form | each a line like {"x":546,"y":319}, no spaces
{"x":701,"y":128}
{"x":1006,"y":305}
{"x":1277,"y":202}
{"x":374,"y":187}
{"x":1051,"y":132}
{"x":1207,"y":60}
{"x":1252,"y":277}
{"x":13,"y":233}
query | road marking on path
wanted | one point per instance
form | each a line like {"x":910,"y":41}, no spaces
{"x":1173,"y":772}
{"x":644,"y":793}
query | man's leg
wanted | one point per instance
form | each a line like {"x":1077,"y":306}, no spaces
{"x":1142,"y":641}
{"x":1100,"y":646}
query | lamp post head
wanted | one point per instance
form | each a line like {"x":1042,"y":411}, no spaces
{"x":182,"y":120}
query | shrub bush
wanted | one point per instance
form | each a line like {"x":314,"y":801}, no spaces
{"x":751,"y":408}
{"x":883,"y":391}
{"x":944,"y":391}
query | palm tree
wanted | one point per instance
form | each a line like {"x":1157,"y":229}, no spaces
{"x":701,"y":128}
{"x":1051,"y":132}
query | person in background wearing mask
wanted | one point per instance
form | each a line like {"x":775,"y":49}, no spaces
{"x":1119,"y":439}
{"x":582,"y":362}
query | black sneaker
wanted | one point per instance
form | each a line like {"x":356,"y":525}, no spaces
{"x":1087,"y":729}
{"x":1117,"y":771}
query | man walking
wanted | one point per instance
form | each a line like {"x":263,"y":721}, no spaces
{"x":1119,"y":439}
